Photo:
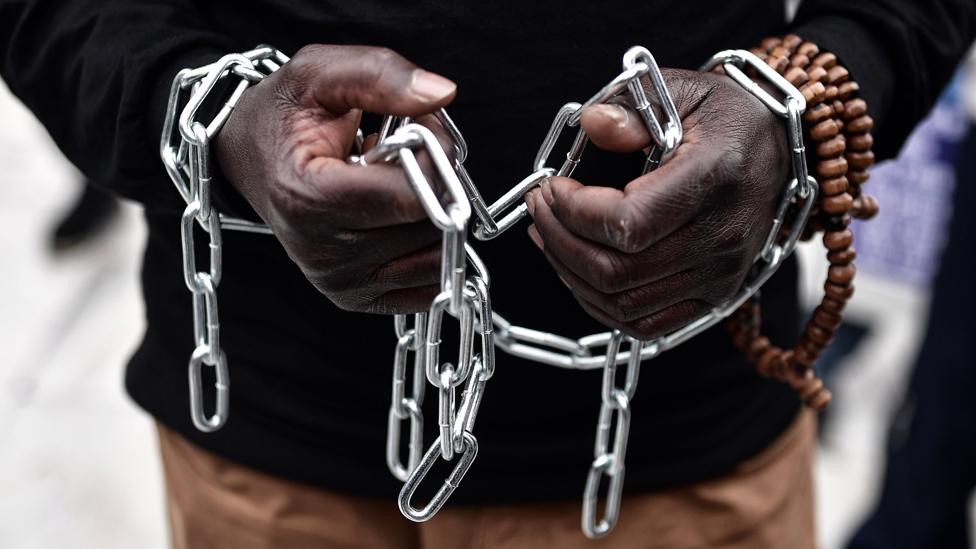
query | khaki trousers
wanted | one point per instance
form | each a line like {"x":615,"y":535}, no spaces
{"x":767,"y":502}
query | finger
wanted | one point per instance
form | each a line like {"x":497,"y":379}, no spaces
{"x":649,"y":208}
{"x":604,"y":268}
{"x":631,"y":304}
{"x":367,"y":276}
{"x":352,"y":196}
{"x":654,"y":325}
{"x":406,"y":300}
{"x":379,"y":80}
{"x":615,"y":128}
{"x":415,"y":269}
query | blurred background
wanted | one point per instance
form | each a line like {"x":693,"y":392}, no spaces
{"x":82,"y":458}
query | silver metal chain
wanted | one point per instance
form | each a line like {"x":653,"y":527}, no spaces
{"x":185,"y":150}
{"x":463,"y":296}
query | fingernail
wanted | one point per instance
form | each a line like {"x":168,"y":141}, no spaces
{"x":616,"y":113}
{"x":547,"y":192}
{"x":429,"y":87}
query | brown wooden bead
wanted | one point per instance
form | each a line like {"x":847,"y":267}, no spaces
{"x":826,"y":60}
{"x":796,"y":76}
{"x":841,"y":274}
{"x":810,"y":389}
{"x":838,"y":292}
{"x":833,"y":187}
{"x":817,"y":114}
{"x":833,"y":305}
{"x":813,"y":92}
{"x":781,"y":51}
{"x":817,"y":73}
{"x":847,"y":90}
{"x":860,"y":124}
{"x":742,"y":339}
{"x":832,"y":148}
{"x":770,"y":42}
{"x":811,"y":346}
{"x":855,"y":108}
{"x":826,"y":319}
{"x":837,"y":75}
{"x":758,"y":346}
{"x":869,"y":207}
{"x":858,"y":177}
{"x":818,"y":334}
{"x":833,"y":167}
{"x":768,"y":361}
{"x":800,"y":61}
{"x":758,"y":52}
{"x":838,"y":240}
{"x":791,"y":42}
{"x":820,"y":400}
{"x":837,"y":105}
{"x":837,"y":222}
{"x":842,"y":257}
{"x":861,"y":142}
{"x":830,"y":93}
{"x":808,"y":49}
{"x":778,"y":63}
{"x":786,"y":364}
{"x":825,"y":130}
{"x":804,"y":357}
{"x":860,"y":160}
{"x":837,"y":204}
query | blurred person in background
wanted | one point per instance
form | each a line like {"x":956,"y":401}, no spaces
{"x":90,"y":213}
{"x":931,"y":459}
{"x":719,"y":456}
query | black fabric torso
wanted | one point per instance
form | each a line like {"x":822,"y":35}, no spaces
{"x":310,"y":384}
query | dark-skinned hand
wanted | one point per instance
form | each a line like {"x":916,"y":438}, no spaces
{"x":675,"y":242}
{"x":359,"y":234}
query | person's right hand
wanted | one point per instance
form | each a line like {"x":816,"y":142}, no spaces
{"x":359,"y":233}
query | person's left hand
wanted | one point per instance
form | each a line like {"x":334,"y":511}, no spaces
{"x":681,"y":239}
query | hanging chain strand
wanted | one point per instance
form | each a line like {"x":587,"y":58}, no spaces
{"x":185,"y":151}
{"x":463,"y":296}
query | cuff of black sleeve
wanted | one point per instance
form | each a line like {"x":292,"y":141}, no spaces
{"x":870,"y":66}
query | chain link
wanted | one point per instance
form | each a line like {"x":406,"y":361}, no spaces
{"x":185,"y":151}
{"x":608,"y":459}
{"x":403,"y":407}
{"x":185,"y":154}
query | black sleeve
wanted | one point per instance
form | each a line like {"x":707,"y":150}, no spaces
{"x":97,"y":74}
{"x":901,"y":52}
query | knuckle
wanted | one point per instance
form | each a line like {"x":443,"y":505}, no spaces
{"x":382,"y":55}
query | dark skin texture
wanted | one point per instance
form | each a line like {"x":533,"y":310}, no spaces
{"x":359,"y":234}
{"x":680,"y":240}
{"x":645,"y":260}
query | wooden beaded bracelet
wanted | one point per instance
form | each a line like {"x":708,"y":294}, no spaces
{"x":837,"y":123}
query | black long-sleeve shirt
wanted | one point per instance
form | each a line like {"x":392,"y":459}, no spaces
{"x":310,"y":387}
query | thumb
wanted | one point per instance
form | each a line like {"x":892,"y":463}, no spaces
{"x":614,"y":127}
{"x":377,"y":80}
